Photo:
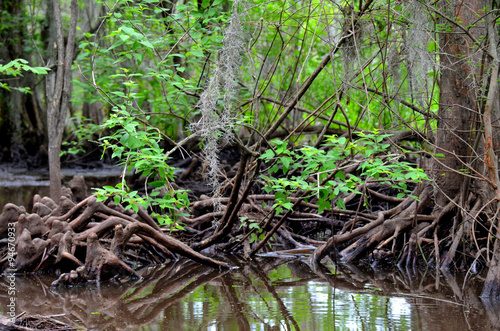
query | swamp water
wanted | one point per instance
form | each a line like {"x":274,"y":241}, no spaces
{"x":264,"y":294}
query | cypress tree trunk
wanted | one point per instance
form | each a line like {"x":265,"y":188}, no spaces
{"x":458,"y":100}
{"x":468,"y":106}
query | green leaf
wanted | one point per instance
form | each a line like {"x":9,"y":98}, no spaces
{"x":40,"y":70}
{"x":340,"y":204}
{"x":127,"y":30}
{"x":124,"y":139}
{"x":340,"y":175}
{"x":124,"y":37}
{"x":286,"y":161}
{"x":269,"y":154}
{"x":254,"y":226}
{"x":198,"y":53}
{"x":322,"y":205}
{"x":147,"y":44}
{"x":101,"y":198}
{"x":253,"y":237}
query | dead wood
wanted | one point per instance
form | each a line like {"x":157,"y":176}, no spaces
{"x":59,"y":227}
{"x":41,"y":209}
{"x":112,"y":237}
{"x":65,"y":205}
{"x":71,"y":212}
{"x":110,"y":222}
{"x":47,"y":201}
{"x":66,"y":249}
{"x":146,"y":218}
{"x":195,"y":162}
{"x":372,"y":232}
{"x":33,"y":223}
{"x":233,"y":208}
{"x":78,"y":188}
{"x":117,"y":242}
{"x":99,"y":260}
{"x":59,"y":234}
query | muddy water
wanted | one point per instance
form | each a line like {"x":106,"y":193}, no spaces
{"x":262,"y":295}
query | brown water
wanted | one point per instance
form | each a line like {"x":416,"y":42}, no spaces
{"x":261,"y":295}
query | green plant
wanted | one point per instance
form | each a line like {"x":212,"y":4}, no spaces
{"x":86,"y":130}
{"x":138,"y":148}
{"x":322,"y":173}
{"x":254,"y":226}
{"x":140,"y":68}
{"x":155,"y":54}
{"x":15,"y":68}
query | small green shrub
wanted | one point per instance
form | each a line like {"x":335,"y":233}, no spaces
{"x":327,"y":168}
{"x":138,"y":148}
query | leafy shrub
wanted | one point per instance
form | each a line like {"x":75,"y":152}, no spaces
{"x":327,"y":168}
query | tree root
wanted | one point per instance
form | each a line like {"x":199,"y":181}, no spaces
{"x":111,"y":239}
{"x":171,"y":244}
{"x":63,"y":235}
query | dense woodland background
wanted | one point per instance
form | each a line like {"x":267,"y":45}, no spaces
{"x":328,"y":105}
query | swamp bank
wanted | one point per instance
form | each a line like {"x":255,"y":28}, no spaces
{"x":141,"y":276}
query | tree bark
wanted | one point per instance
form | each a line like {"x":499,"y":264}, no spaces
{"x":492,"y":284}
{"x":459,"y":93}
{"x":468,"y":107}
{"x":58,"y":92}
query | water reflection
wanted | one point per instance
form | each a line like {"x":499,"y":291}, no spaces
{"x":263,"y":295}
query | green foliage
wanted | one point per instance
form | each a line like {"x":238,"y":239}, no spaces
{"x":15,"y":68}
{"x":254,"y":226}
{"x":139,"y":149}
{"x":83,"y":132}
{"x":153,"y":55}
{"x":321,"y":172}
{"x":150,"y":63}
{"x":145,"y":67}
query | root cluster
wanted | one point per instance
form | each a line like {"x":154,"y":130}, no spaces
{"x":86,"y":240}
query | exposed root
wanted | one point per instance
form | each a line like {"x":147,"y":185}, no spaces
{"x":29,"y":250}
{"x":99,"y":240}
{"x":63,"y":235}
